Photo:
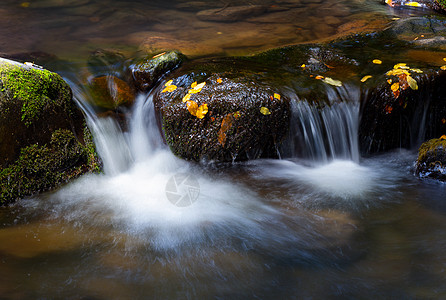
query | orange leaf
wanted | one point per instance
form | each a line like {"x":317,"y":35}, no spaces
{"x":226,"y":124}
{"x":169,"y":88}
{"x":443,"y":137}
{"x":395,"y":87}
{"x":388,"y":109}
{"x":319,"y":77}
{"x":202,"y":111}
{"x":192,"y":107}
{"x":219,"y":80}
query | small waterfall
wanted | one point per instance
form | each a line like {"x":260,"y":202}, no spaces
{"x":323,"y":134}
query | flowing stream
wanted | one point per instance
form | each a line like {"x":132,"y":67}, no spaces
{"x":320,"y":223}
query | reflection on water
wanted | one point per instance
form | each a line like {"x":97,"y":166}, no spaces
{"x":71,"y":29}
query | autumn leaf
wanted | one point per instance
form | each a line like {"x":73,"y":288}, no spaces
{"x":365,"y":78}
{"x":226,"y":124}
{"x":169,"y":83}
{"x":443,"y":67}
{"x":412,"y":83}
{"x":377,"y":61}
{"x":395,"y":87}
{"x":202,"y":111}
{"x":332,"y":81}
{"x":199,"y":86}
{"x":388,"y":109}
{"x":169,"y":88}
{"x":193,"y":85}
{"x":396,"y":94}
{"x":25,"y":4}
{"x":277,"y":96}
{"x":444,"y":58}
{"x":219,"y":80}
{"x":401,"y":66}
{"x":158,"y":55}
{"x":192,"y":107}
{"x":303,"y":66}
{"x":389,"y":81}
{"x":186,"y":98}
{"x":413,"y":3}
{"x":443,"y":137}
{"x":319,"y":77}
{"x":416,"y":70}
{"x":265,"y":111}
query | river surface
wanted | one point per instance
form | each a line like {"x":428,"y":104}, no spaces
{"x":325,"y":224}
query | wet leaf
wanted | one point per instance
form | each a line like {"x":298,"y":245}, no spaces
{"x":377,"y":61}
{"x":416,"y":70}
{"x":365,"y":78}
{"x":186,"y":98}
{"x":400,"y":66}
{"x":169,"y":83}
{"x":319,"y":77}
{"x":395,"y":87}
{"x":194,"y":91}
{"x":192,"y":107}
{"x":265,"y":111}
{"x":412,"y":83}
{"x":158,"y":55}
{"x":277,"y":96}
{"x":169,"y":88}
{"x":25,"y":4}
{"x":221,"y":137}
{"x":226,"y":124}
{"x":332,"y":81}
{"x":202,"y":111}
{"x":193,"y":85}
{"x":443,"y":67}
{"x":443,"y":137}
{"x":444,"y":58}
{"x":413,"y":3}
{"x":219,"y":80}
{"x":303,"y":66}
{"x":396,"y":94}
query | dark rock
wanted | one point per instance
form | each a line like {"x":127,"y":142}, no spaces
{"x":147,"y":71}
{"x":431,"y":162}
{"x":109,"y":92}
{"x":237,"y":125}
{"x":104,"y":62}
{"x":231,"y":13}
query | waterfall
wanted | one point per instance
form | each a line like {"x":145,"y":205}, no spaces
{"x":323,"y":134}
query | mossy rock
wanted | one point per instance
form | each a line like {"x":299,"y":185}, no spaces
{"x":43,"y":167}
{"x":244,"y":120}
{"x":33,"y":104}
{"x":147,"y":71}
{"x":431,"y":162}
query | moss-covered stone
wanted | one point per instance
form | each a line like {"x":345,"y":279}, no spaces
{"x":431,"y":162}
{"x":43,"y":167}
{"x":148,"y":70}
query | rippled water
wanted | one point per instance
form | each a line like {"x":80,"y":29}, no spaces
{"x":297,"y":228}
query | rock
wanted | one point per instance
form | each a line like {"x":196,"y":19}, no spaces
{"x":104,"y":62}
{"x":231,"y":13}
{"x":109,"y":92}
{"x":418,"y":28}
{"x":40,"y":130}
{"x":157,"y":44}
{"x":151,"y":68}
{"x":431,"y":162}
{"x":244,"y":119}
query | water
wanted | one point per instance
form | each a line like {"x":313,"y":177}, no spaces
{"x":322,"y":223}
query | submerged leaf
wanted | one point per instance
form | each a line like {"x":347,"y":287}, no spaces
{"x":332,"y":81}
{"x":365,"y":78}
{"x":412,"y":83}
{"x":265,"y":111}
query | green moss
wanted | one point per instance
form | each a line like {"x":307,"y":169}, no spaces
{"x":36,"y":88}
{"x":41,"y":168}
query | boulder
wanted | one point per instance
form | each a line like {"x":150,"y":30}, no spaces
{"x":37,"y":116}
{"x":431,"y":162}
{"x":110,"y":92}
{"x":148,"y":70}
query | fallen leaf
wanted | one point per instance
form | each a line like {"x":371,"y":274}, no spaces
{"x":303,"y":66}
{"x":194,"y":91}
{"x":237,"y":114}
{"x":192,"y":107}
{"x":193,"y":85}
{"x":416,"y":70}
{"x":169,"y":88}
{"x":400,"y":66}
{"x":169,"y":83}
{"x":219,"y":80}
{"x":277,"y":96}
{"x":319,"y":77}
{"x":202,"y":111}
{"x":412,"y":83}
{"x":413,"y":3}
{"x":395,"y":87}
{"x":25,"y":4}
{"x":199,"y":86}
{"x":443,"y":67}
{"x":186,"y":98}
{"x":365,"y":78}
{"x":444,"y":58}
{"x":443,"y":137}
{"x":377,"y":61}
{"x":388,"y":109}
{"x":265,"y":111}
{"x":332,"y":81}
{"x":443,"y":121}
{"x":226,"y":124}
{"x":389,"y":81}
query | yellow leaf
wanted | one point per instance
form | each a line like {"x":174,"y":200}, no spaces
{"x":193,"y":85}
{"x":394,"y":87}
{"x":194,"y":91}
{"x":443,"y":137}
{"x":202,"y":111}
{"x":443,"y":67}
{"x":277,"y":96}
{"x":412,"y":83}
{"x":199,"y":86}
{"x":303,"y":66}
{"x":169,"y":88}
{"x":365,"y":78}
{"x":400,"y":66}
{"x":192,"y":107}
{"x":416,"y":70}
{"x":412,"y":3}
{"x":377,"y":61}
{"x":186,"y":98}
{"x":265,"y":111}
{"x":332,"y":81}
{"x":396,"y":72}
{"x":169,"y":83}
{"x":444,"y":59}
{"x":219,"y":80}
{"x":319,"y":77}
{"x":389,"y":81}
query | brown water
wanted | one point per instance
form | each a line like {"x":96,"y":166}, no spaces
{"x":259,"y":230}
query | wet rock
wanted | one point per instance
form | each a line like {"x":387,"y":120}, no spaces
{"x":416,"y":29}
{"x":231,"y":13}
{"x":40,"y":129}
{"x":156,"y":44}
{"x":109,"y":92}
{"x":431,"y":162}
{"x":150,"y":69}
{"x":104,"y":62}
{"x":243,"y":121}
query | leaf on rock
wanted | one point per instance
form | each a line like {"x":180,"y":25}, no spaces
{"x":186,"y":98}
{"x":443,"y":67}
{"x":192,"y":107}
{"x":365,"y":78}
{"x":416,"y":70}
{"x":226,"y":124}
{"x":377,"y":61}
{"x":413,"y":3}
{"x":412,"y":83}
{"x":199,"y":86}
{"x":219,"y":80}
{"x":277,"y":96}
{"x":265,"y":111}
{"x":332,"y":81}
{"x":169,"y":88}
{"x":202,"y":111}
{"x":389,"y":81}
{"x":193,"y":85}
{"x":443,"y":137}
{"x":401,"y":66}
{"x":169,"y":83}
{"x":319,"y":77}
{"x":388,"y":109}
